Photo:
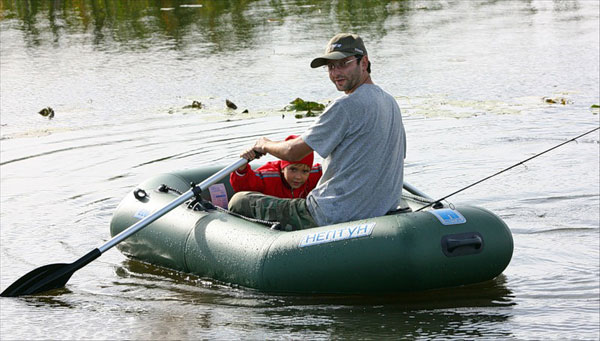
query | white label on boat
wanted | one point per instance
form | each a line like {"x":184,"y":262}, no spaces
{"x":334,"y":235}
{"x":143,"y":213}
{"x":218,"y":195}
{"x":449,"y":216}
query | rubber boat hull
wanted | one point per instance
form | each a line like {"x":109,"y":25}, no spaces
{"x":394,"y":253}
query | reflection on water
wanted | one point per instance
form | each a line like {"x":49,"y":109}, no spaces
{"x":50,"y":298}
{"x":419,"y":314}
{"x":224,"y":25}
{"x":488,"y":294}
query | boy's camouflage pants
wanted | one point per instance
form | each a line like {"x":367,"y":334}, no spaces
{"x":291,"y":213}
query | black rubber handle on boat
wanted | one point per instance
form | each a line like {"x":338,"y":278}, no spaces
{"x":462,"y":244}
{"x":453,"y":244}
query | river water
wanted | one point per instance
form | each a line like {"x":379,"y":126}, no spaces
{"x":475,"y":81}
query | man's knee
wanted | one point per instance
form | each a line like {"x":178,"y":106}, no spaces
{"x":239,"y":202}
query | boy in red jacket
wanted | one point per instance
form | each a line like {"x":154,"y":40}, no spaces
{"x":281,"y":178}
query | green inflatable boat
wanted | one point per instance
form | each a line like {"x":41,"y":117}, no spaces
{"x":405,"y":251}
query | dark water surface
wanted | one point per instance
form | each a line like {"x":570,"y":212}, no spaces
{"x":472,"y":79}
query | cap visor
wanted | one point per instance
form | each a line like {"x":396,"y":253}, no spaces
{"x":335,"y":55}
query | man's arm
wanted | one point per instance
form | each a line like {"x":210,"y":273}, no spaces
{"x":290,"y":150}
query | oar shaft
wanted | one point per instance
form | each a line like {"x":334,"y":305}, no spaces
{"x":211,"y":180}
{"x":412,"y":189}
{"x":178,"y":201}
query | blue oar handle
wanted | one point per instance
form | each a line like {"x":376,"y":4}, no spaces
{"x":176,"y":202}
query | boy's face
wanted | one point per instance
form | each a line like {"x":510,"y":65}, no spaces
{"x":296,"y":174}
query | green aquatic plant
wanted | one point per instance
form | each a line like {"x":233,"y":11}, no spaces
{"x":308,"y":114}
{"x":595,"y":106}
{"x":301,"y":105}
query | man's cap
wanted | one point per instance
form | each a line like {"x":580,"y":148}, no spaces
{"x":307,"y":160}
{"x":339,"y":47}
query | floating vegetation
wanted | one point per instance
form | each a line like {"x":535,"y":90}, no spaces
{"x":308,"y":114}
{"x":195,"y":105}
{"x":595,"y":106}
{"x":441,"y":105}
{"x":230,"y":104}
{"x":47,"y":112}
{"x":557,"y":100}
{"x":301,"y":105}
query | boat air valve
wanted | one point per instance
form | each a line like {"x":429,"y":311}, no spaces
{"x":140,"y":195}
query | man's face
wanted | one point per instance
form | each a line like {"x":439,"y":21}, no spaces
{"x":345,"y":73}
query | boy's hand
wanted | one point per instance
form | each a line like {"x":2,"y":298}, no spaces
{"x":242,"y":169}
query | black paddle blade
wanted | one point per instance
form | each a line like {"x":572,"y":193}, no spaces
{"x":48,"y":277}
{"x":44,"y":278}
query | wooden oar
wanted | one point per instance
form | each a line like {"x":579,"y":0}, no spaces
{"x":54,"y":276}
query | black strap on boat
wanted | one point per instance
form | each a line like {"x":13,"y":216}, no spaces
{"x":504,"y":170}
{"x":165,"y":189}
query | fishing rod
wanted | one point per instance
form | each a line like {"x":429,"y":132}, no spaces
{"x":504,"y":170}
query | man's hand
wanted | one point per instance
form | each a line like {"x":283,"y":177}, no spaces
{"x":289,"y":150}
{"x":260,"y":144}
{"x":251,"y":154}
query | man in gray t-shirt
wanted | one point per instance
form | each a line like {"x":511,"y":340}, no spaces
{"x":361,"y":138}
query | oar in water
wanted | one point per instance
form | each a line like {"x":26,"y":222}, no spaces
{"x":54,"y":276}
